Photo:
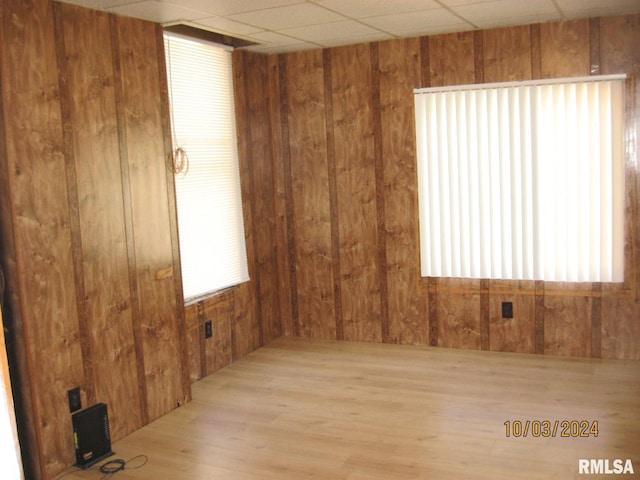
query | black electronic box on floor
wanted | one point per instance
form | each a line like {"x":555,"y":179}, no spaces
{"x":91,"y":435}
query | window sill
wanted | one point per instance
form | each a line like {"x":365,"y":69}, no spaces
{"x":216,"y":295}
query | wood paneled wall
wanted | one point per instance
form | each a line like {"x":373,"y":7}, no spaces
{"x":327,"y":157}
{"x":89,"y":239}
{"x":89,"y":234}
{"x":343,"y":170}
{"x":252,"y":314}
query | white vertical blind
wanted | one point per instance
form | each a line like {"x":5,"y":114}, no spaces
{"x":522,"y":181}
{"x":210,"y":221}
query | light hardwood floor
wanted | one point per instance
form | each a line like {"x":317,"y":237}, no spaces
{"x":299,"y":409}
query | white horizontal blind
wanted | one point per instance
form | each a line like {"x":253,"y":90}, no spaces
{"x":522,"y":181}
{"x":210,"y":221}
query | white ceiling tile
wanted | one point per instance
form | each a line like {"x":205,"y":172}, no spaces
{"x":327,"y":31}
{"x":504,"y":12}
{"x":230,"y":7}
{"x":291,"y":16}
{"x":271,"y":49}
{"x":457,"y":3}
{"x":424,"y":21}
{"x":375,"y":37}
{"x":594,"y":8}
{"x":155,"y":11}
{"x":261,"y":20}
{"x":373,"y":8}
{"x":228,"y":27}
{"x":98,"y":4}
{"x":272,"y":38}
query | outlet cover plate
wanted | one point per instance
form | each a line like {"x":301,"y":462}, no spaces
{"x":507,"y":309}
{"x":75,"y":400}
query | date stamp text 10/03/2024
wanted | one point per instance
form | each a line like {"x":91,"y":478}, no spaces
{"x":551,"y":428}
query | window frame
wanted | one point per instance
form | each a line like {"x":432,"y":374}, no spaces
{"x":422,"y":156}
{"x":195,"y":148}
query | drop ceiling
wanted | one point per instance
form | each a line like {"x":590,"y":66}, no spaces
{"x":277,"y":26}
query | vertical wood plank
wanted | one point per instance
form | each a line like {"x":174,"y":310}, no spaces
{"x":478,"y":54}
{"x":507,"y":54}
{"x":142,"y":97}
{"x":102,"y":240}
{"x":451,"y":59}
{"x":128,"y":220}
{"x":245,"y":330}
{"x":618,"y":44}
{"x":193,"y":342}
{"x":431,"y":282}
{"x":333,"y":194}
{"x":310,"y":194}
{"x":596,"y":320}
{"x":41,"y":225}
{"x":458,"y":314}
{"x":425,"y":62}
{"x":218,"y":352}
{"x":540,"y":320}
{"x":88,"y":390}
{"x":432,"y":305}
{"x":564,"y":49}
{"x":379,"y":190}
{"x":619,"y":38}
{"x":399,"y":64}
{"x":288,"y":195}
{"x":245,"y":321}
{"x":594,"y":45}
{"x":283,"y":265}
{"x":258,"y":192}
{"x":620,"y":327}
{"x":536,"y":52}
{"x":485,"y":328}
{"x":619,"y":53}
{"x":200,"y":339}
{"x":567,"y":329}
{"x":515,"y":334}
{"x":357,"y":210}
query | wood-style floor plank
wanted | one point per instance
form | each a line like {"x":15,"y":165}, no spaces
{"x":301,"y":409}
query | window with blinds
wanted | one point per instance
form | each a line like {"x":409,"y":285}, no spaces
{"x":207,"y":181}
{"x":522,"y":181}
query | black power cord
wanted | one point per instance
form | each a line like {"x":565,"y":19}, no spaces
{"x":111,"y":467}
